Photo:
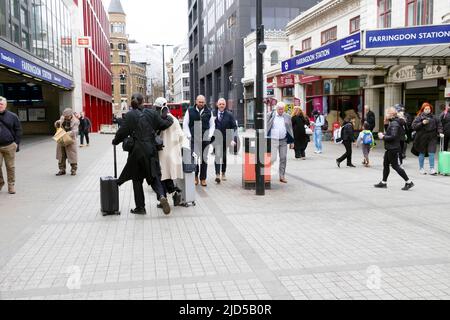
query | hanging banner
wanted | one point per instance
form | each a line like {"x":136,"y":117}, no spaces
{"x":335,"y":49}
{"x":406,"y":37}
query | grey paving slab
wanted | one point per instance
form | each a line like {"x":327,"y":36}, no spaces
{"x":327,"y":234}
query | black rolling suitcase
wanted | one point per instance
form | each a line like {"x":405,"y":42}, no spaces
{"x":109,"y":192}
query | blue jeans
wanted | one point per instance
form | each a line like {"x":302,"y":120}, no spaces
{"x":318,"y":139}
{"x":422,"y":160}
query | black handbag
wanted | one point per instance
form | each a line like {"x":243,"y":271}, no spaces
{"x":128,"y":144}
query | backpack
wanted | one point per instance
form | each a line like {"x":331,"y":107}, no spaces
{"x":337,"y":135}
{"x":367,"y":138}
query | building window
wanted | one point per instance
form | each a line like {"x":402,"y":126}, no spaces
{"x":274,"y":58}
{"x":123,"y":59}
{"x":306,"y":44}
{"x":122,"y":46}
{"x":419,"y":12}
{"x":231,"y":20}
{"x":329,"y":35}
{"x":354,"y":25}
{"x":123,"y":89}
{"x":384,"y":13}
{"x":112,"y":46}
{"x":185,"y":82}
{"x":186,"y":68}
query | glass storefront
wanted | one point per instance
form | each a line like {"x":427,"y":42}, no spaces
{"x":41,"y":27}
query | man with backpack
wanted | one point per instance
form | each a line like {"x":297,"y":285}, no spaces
{"x":392,"y":140}
{"x":138,"y":134}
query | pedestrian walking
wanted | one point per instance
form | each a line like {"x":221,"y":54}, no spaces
{"x":225,"y":135}
{"x":319,"y":122}
{"x":170,"y":157}
{"x":279,"y":128}
{"x":370,"y":118}
{"x":300,"y":126}
{"x":367,"y":142}
{"x":138,"y":135}
{"x":428,"y":128}
{"x":10,"y":137}
{"x":67,"y":152}
{"x":85,"y":128}
{"x":445,"y":122}
{"x":199,"y":126}
{"x":348,"y":137}
{"x":392,"y":139}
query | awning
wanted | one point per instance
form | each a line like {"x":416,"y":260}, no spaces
{"x":378,"y":49}
{"x":344,"y":68}
{"x":410,"y":56}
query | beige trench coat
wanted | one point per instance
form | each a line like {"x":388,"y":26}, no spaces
{"x":170,"y":157}
{"x":72,"y":150}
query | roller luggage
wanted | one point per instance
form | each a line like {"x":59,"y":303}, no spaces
{"x":444,"y":161}
{"x":187,"y":184}
{"x":109,"y":192}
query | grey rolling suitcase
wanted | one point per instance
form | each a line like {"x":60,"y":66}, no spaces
{"x":187,"y":185}
{"x":109,"y":192}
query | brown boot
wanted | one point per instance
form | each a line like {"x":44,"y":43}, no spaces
{"x":11,"y":189}
{"x":196,"y":181}
{"x":61,"y":173}
{"x":73,"y":171}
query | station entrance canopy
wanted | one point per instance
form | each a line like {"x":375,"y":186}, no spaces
{"x":381,"y":48}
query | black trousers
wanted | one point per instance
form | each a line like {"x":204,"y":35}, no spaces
{"x":446,"y":142}
{"x":300,"y":153}
{"x":221,"y":159}
{"x":138,"y":189}
{"x":392,"y":158}
{"x":84,"y":134}
{"x":348,"y":153}
{"x":202,"y":169}
{"x":169,"y":187}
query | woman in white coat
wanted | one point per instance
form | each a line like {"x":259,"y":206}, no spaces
{"x":170,"y":158}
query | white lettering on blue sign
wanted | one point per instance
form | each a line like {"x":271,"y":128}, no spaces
{"x":47,"y":75}
{"x":8,"y":58}
{"x":26,"y":66}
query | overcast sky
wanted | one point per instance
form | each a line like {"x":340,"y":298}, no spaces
{"x":156,"y":21}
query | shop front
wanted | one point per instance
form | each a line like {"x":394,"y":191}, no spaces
{"x":35,"y":93}
{"x":286,"y":90}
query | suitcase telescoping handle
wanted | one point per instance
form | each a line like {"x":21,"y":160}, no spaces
{"x":115,"y":162}
{"x":442,"y":144}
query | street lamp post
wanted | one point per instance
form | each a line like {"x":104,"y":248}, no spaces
{"x":164,"y":64}
{"x":259,"y":109}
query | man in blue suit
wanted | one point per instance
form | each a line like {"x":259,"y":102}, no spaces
{"x":224,"y":136}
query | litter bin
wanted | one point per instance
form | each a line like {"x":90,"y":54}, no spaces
{"x":249,"y":163}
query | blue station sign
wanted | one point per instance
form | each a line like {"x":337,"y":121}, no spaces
{"x":413,"y":36}
{"x":335,"y":49}
{"x":15,"y":62}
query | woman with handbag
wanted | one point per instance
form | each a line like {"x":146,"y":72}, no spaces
{"x":66,"y":148}
{"x":428,"y":128}
{"x":302,"y":132}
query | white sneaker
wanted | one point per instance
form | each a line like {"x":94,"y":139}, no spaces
{"x":433,"y":172}
{"x":422,"y":172}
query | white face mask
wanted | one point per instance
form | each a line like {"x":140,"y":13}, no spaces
{"x":427,"y":111}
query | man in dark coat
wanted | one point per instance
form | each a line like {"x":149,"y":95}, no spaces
{"x":143,"y":163}
{"x":224,"y":136}
{"x":370,"y":118}
{"x":10,"y":137}
{"x":348,"y":137}
{"x":84,"y":128}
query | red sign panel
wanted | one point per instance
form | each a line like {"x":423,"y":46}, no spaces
{"x":285,"y":81}
{"x":309,"y":79}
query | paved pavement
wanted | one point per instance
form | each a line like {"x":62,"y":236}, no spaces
{"x":328,"y":234}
